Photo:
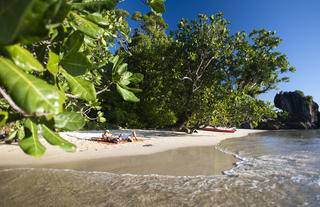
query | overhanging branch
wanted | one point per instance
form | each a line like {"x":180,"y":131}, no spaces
{"x":12,"y":104}
{"x":104,"y":89}
{"x":186,"y":78}
{"x":71,"y":96}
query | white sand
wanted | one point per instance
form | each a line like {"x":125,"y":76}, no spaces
{"x":155,"y":141}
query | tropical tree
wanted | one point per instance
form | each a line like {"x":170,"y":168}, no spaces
{"x":55,"y":61}
{"x":255,"y":66}
{"x":200,"y":68}
{"x":146,"y":52}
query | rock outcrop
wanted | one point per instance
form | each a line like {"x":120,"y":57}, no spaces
{"x":302,"y":112}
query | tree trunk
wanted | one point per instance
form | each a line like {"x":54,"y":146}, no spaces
{"x":182,"y":121}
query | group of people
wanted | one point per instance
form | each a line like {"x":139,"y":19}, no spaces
{"x":107,"y":136}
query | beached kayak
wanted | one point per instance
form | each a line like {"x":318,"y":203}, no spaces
{"x":220,"y":130}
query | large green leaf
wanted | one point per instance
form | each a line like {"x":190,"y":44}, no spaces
{"x":60,"y":11}
{"x":12,"y":14}
{"x":82,"y":89}
{"x":55,"y":139}
{"x":127,"y":95}
{"x":23,"y":58}
{"x":32,"y":94}
{"x":76,"y":63}
{"x":53,"y":63}
{"x":36,"y":23}
{"x":115,"y":62}
{"x":25,"y":20}
{"x":87,"y":27}
{"x":134,"y":90}
{"x":118,"y":67}
{"x":124,"y":80}
{"x":98,"y":19}
{"x":71,"y":121}
{"x":96,"y":5}
{"x":74,"y":42}
{"x":31,"y":144}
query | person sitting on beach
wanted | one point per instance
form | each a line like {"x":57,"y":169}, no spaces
{"x":107,"y":136}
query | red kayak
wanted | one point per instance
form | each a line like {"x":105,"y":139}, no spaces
{"x":219,"y":130}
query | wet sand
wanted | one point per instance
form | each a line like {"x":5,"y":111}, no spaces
{"x":188,"y":161}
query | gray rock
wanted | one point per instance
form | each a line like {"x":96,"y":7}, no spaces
{"x":303,"y":112}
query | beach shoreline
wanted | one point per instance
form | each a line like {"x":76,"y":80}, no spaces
{"x":155,"y":141}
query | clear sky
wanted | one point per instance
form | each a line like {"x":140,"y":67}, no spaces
{"x":297,"y":23}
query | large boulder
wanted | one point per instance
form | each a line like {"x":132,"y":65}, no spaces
{"x":302,"y":111}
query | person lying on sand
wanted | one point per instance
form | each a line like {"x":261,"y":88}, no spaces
{"x":107,"y":136}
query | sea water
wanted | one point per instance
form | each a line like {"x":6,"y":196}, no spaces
{"x":274,"y":169}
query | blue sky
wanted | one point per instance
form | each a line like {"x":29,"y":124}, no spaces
{"x":297,"y":23}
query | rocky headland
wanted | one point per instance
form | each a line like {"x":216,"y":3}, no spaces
{"x":299,"y":112}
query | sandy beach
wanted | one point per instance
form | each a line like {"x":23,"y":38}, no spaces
{"x":154,"y":141}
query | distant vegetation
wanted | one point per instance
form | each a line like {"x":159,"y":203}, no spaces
{"x":57,"y":71}
{"x":309,"y":98}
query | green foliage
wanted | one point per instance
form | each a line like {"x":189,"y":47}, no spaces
{"x":151,"y":24}
{"x":76,"y":63}
{"x":54,"y":57}
{"x":309,"y":99}
{"x":13,"y":134}
{"x":122,"y":77}
{"x":16,"y":131}
{"x":202,"y":74}
{"x":126,"y":94}
{"x":31,"y":144}
{"x":53,"y":63}
{"x":24,"y":59}
{"x":70,"y":121}
{"x":157,"y":5}
{"x":300,"y":93}
{"x":56,"y":66}
{"x":33,"y":95}
{"x":96,"y":5}
{"x":3,"y":117}
{"x":55,"y":139}
{"x":87,"y":27}
{"x":136,"y":16}
{"x":122,"y":13}
{"x":82,"y":89}
{"x":26,"y":20}
{"x":232,"y":108}
{"x":257,"y":64}
{"x":98,"y":19}
{"x":74,"y":42}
